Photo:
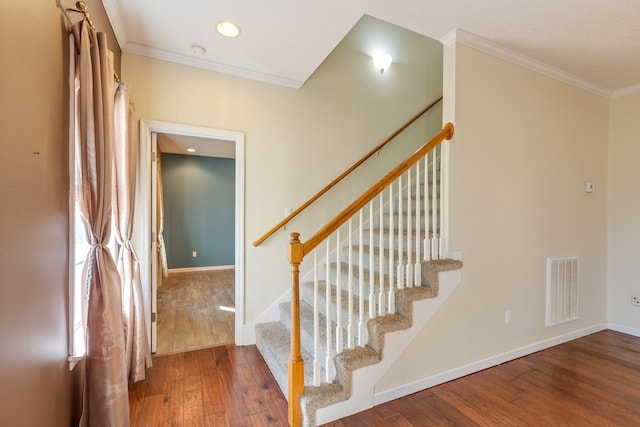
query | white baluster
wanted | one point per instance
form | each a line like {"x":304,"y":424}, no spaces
{"x":409,"y":273}
{"x":362,"y":323}
{"x":329,"y":358}
{"x":350,"y":325}
{"x":434,"y":207}
{"x":339,"y":330}
{"x":372,"y":276}
{"x":381,"y":296}
{"x":441,"y":215}
{"x":445,"y":155}
{"x":417,"y":273}
{"x":316,"y":324}
{"x":401,"y":267}
{"x":427,"y":223}
{"x":391,"y":236}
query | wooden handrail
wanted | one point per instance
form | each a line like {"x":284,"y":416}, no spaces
{"x":298,"y":250}
{"x":345,"y":173}
{"x":359,"y":203}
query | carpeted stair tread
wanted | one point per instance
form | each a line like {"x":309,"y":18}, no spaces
{"x":274,"y":342}
{"x":307,"y":329}
{"x":306,"y":295}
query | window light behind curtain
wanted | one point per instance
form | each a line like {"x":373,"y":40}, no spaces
{"x":104,"y":154}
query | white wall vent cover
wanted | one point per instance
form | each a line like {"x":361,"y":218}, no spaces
{"x":562,"y":290}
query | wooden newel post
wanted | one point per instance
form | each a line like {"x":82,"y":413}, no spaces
{"x":296,"y":364}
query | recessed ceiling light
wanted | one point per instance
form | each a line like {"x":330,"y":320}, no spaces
{"x":198,"y":49}
{"x":191,"y":150}
{"x":228,"y":29}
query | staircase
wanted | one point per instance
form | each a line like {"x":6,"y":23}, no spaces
{"x":377,"y":284}
{"x":273,"y":341}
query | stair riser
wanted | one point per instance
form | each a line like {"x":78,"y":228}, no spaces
{"x":396,"y":220}
{"x":306,"y":294}
{"x":405,"y":202}
{"x":376,"y":259}
{"x":277,"y":358}
{"x":344,"y":248}
{"x":307,"y":340}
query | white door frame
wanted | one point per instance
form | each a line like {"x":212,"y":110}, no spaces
{"x":142,"y":237}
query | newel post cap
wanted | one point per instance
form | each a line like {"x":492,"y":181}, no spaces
{"x":295,"y":249}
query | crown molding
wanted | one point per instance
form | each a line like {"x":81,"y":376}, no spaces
{"x":460,"y":36}
{"x":449,"y":38}
{"x":210,"y":65}
{"x":626,"y":91}
{"x":113,"y":13}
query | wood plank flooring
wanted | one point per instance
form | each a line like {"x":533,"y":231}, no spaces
{"x":189,"y":313}
{"x":592,"y":381}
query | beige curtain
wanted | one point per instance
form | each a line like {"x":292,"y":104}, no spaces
{"x":105,"y":395}
{"x":138,"y":353}
{"x":162,"y":251}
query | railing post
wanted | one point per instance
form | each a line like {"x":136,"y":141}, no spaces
{"x":296,"y":364}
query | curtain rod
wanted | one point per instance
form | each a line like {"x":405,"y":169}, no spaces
{"x":83,"y":9}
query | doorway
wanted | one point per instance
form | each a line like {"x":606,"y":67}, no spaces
{"x":145,"y":224}
{"x":195,"y":214}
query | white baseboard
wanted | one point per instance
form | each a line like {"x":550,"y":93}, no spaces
{"x":208,"y":268}
{"x":624,"y":329}
{"x":410,"y":388}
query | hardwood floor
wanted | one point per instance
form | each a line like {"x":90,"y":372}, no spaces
{"x":219,"y":386}
{"x":189,"y":311}
{"x":592,"y":381}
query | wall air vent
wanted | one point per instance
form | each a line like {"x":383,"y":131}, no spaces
{"x":562,"y":290}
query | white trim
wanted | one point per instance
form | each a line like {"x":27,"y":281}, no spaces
{"x":449,"y":38}
{"x":210,"y":65}
{"x":207,"y":268}
{"x":271,"y":314}
{"x":112,"y":10}
{"x":115,"y":19}
{"x":143,"y":208}
{"x":73,"y":361}
{"x":460,"y":36}
{"x":452,"y":374}
{"x":624,"y":329}
{"x":71,"y":189}
{"x":141,"y":236}
{"x":626,"y":91}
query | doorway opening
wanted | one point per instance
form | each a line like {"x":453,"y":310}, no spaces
{"x":217,"y":143}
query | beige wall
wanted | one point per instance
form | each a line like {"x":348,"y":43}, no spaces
{"x":36,"y":383}
{"x":624,"y":212}
{"x":524,"y":147}
{"x":297,"y":141}
{"x":36,"y":387}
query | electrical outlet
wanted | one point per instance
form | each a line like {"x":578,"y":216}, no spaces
{"x":507,"y":317}
{"x":194,"y":254}
{"x":635,"y":300}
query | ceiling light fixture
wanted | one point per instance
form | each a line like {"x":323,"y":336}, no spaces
{"x":228,"y":29}
{"x":382,"y":62}
{"x":191,"y":150}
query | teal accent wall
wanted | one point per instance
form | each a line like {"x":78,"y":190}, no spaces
{"x":199,"y":210}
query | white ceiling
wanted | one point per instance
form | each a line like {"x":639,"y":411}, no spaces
{"x":593,"y":44}
{"x":208,"y":147}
